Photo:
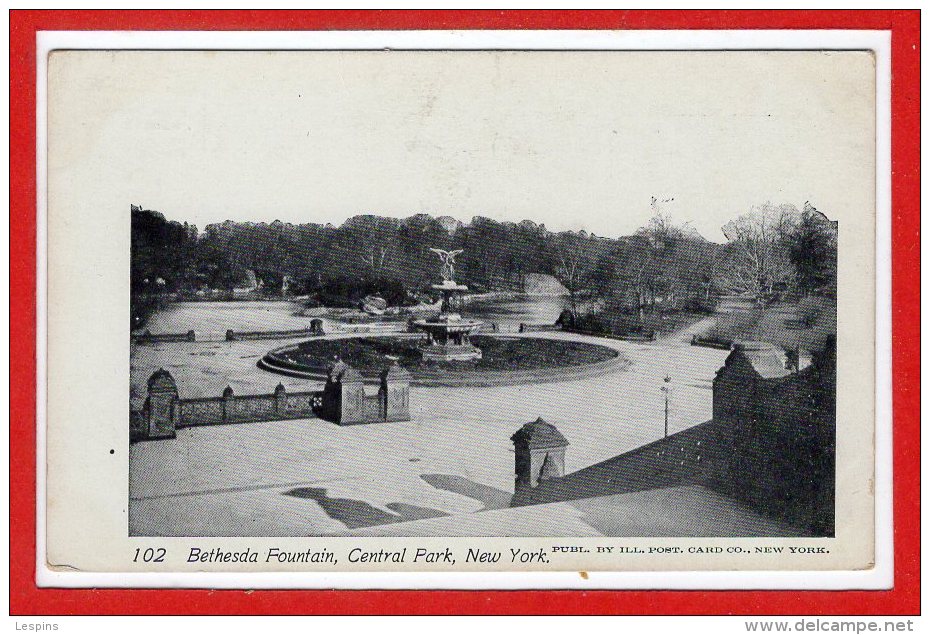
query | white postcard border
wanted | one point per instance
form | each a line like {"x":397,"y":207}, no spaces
{"x":879,"y":577}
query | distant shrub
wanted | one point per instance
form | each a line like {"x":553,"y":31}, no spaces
{"x":617,"y":324}
{"x":344,"y":293}
{"x":699,"y":305}
{"x":142,"y":306}
{"x":809,"y":310}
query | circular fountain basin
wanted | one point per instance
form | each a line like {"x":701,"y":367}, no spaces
{"x":449,"y":338}
{"x":505,"y":360}
{"x":449,"y":324}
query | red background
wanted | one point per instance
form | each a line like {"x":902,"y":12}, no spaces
{"x":26,"y":598}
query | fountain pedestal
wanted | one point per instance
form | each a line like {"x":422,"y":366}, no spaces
{"x":448,"y":334}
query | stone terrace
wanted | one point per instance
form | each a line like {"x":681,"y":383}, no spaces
{"x":310,"y":477}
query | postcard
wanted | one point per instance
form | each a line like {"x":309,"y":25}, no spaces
{"x":429,"y":311}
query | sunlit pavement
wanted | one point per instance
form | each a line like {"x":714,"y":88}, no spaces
{"x":310,"y":477}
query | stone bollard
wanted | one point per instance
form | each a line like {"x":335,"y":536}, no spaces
{"x":280,"y":401}
{"x":161,"y":405}
{"x":229,"y":405}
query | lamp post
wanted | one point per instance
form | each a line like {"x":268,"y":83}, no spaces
{"x":666,"y":389}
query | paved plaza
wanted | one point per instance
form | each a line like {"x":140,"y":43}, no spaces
{"x":311,"y":477}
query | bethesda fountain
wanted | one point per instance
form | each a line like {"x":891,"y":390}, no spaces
{"x":448,"y":333}
{"x":447,"y":337}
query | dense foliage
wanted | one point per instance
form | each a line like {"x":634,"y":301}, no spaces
{"x":663,"y":267}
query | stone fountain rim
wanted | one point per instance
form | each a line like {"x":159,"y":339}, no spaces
{"x":465,"y":378}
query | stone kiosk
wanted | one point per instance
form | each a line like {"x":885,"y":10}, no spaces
{"x":539,"y":453}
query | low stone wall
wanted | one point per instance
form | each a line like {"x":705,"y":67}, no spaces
{"x":164,"y":412}
{"x":567,"y":323}
{"x":275,"y":361}
{"x":371,"y":327}
{"x":692,"y":456}
{"x":648,"y":336}
{"x":532,"y":328}
{"x":710,"y":342}
{"x":343,"y":400}
{"x":147,"y":337}
{"x":232,"y":336}
{"x":316,"y":329}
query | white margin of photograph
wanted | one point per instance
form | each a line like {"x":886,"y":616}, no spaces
{"x":879,"y":577}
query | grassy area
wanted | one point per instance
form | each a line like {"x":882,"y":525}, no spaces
{"x":368,"y":354}
{"x":620,"y":324}
{"x":805,"y":324}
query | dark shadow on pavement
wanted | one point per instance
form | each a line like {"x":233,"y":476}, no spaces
{"x":492,"y":497}
{"x":355,"y":513}
{"x":415,"y":512}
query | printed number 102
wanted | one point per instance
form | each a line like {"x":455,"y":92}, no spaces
{"x":150,"y":555}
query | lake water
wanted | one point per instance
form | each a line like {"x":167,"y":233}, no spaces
{"x":511,"y":311}
{"x":211,"y":319}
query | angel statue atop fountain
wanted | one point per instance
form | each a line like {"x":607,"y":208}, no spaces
{"x":448,"y":262}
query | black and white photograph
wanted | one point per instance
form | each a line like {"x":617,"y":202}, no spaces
{"x":482,"y":293}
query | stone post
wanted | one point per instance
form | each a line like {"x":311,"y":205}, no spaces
{"x":539,"y":454}
{"x":351,"y":397}
{"x":344,"y":394}
{"x":394,"y":393}
{"x":280,"y":400}
{"x":162,"y":405}
{"x":229,"y":404}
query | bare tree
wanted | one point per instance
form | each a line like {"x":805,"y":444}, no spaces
{"x":653,"y":264}
{"x":573,"y":263}
{"x":377,"y":238}
{"x":758,"y":250}
{"x":374,"y":256}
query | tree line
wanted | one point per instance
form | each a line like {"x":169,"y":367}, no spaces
{"x":770,"y":250}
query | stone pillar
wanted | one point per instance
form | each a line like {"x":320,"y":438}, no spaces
{"x":394,"y":393}
{"x":162,"y":405}
{"x":344,"y":394}
{"x":280,"y":400}
{"x":351,"y":397}
{"x":229,"y":405}
{"x":539,"y":454}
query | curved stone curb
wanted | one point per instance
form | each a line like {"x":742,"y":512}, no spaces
{"x":463,"y":378}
